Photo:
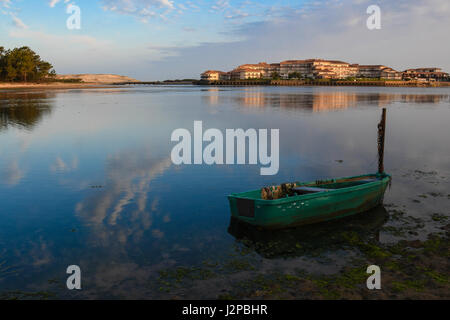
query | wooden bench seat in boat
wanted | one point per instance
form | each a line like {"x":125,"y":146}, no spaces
{"x":367,"y":180}
{"x":307,"y":190}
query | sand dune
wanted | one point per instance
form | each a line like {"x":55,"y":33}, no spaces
{"x":97,"y":78}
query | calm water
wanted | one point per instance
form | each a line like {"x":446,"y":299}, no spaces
{"x":86,"y":177}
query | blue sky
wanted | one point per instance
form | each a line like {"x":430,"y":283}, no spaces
{"x":161,"y":39}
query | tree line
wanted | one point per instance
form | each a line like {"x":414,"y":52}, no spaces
{"x":23,"y":64}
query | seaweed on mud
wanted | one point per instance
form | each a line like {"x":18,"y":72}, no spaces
{"x":236,"y":265}
{"x":400,"y":286}
{"x":403,"y":224}
{"x":172,"y":278}
{"x":411,"y":267}
{"x":177,"y":277}
{"x":438,"y":277}
{"x":425,"y":173}
{"x":439,"y":217}
{"x":435,"y":194}
{"x":265,"y":285}
{"x":369,"y":248}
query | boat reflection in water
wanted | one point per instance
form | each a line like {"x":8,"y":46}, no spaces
{"x":310,"y":239}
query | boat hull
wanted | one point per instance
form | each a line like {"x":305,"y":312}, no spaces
{"x":310,"y":208}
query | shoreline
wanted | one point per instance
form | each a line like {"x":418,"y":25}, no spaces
{"x":323,"y":83}
{"x":6,"y":86}
{"x":54,"y":85}
{"x":239,"y":83}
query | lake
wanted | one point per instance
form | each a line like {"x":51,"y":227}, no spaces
{"x":86,"y":179}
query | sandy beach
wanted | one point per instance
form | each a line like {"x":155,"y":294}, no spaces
{"x":86,"y":81}
{"x":53,"y":85}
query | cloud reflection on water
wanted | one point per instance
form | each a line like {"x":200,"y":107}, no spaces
{"x":124,"y":207}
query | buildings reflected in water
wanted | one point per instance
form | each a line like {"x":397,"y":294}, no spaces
{"x":317,"y":102}
{"x":24,"y":110}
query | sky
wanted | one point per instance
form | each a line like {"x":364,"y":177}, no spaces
{"x":175,"y":39}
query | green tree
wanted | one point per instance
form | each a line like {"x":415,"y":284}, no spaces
{"x":11,"y":71}
{"x":295,"y":75}
{"x":23,"y":64}
{"x":275,"y":76}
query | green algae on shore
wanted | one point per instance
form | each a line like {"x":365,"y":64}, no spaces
{"x":410,"y":269}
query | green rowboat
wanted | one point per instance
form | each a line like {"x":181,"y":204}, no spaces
{"x":300,"y":203}
{"x":312,"y":202}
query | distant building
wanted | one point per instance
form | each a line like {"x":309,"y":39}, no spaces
{"x":428,"y":74}
{"x":273,"y":71}
{"x":214,"y":75}
{"x":250,"y":71}
{"x":323,"y":69}
{"x":431,"y":70}
{"x":391,"y":74}
{"x":295,"y":66}
{"x":244,"y":73}
{"x":317,"y":69}
{"x":332,"y":69}
{"x":370,"y":71}
{"x":378,"y":72}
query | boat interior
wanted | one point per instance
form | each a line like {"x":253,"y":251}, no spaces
{"x":331,"y":186}
{"x":296,"y":189}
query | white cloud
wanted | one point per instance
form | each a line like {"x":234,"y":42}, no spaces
{"x":9,"y":10}
{"x":53,"y":3}
{"x":143,"y":10}
{"x":221,"y":5}
{"x":140,"y":8}
{"x":5,"y":3}
{"x":56,"y":40}
{"x":414,"y":33}
{"x":78,"y":53}
{"x":18,"y":23}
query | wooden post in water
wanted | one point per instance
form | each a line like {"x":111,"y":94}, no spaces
{"x":381,"y":135}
